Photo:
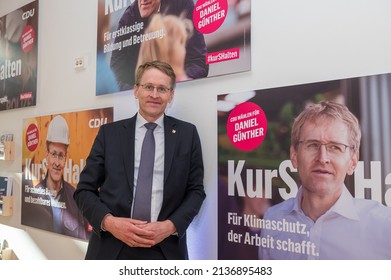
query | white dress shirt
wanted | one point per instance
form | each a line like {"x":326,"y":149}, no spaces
{"x":351,"y":229}
{"x":158,"y":172}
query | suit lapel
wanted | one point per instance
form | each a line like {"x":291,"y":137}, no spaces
{"x":127,"y":135}
{"x":171,"y":134}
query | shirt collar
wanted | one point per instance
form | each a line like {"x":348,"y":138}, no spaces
{"x":140,"y":121}
{"x":53,"y":193}
{"x":296,"y":205}
{"x":344,"y":206}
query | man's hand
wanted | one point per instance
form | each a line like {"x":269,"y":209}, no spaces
{"x":161,"y":230}
{"x":129,"y":231}
{"x":136,"y":233}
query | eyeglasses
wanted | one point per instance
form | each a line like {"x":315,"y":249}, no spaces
{"x":60,"y":156}
{"x":333,"y":148}
{"x":151,"y":88}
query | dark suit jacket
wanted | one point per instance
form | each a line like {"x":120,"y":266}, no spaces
{"x":106,"y":183}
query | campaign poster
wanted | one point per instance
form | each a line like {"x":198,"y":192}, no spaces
{"x":18,"y":57}
{"x":199,"y":39}
{"x":54,"y":152}
{"x":258,"y":183}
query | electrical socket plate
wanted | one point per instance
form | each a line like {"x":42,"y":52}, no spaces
{"x":80,"y":62}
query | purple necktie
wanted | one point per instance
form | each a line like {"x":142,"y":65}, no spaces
{"x":142,"y":200}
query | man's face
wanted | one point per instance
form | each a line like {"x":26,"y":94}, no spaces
{"x":56,"y":159}
{"x":153,"y":104}
{"x":148,"y":7}
{"x":323,"y":172}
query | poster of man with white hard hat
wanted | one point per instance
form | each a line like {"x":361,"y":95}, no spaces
{"x":55,"y":149}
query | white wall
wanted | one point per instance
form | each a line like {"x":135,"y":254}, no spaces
{"x":293,"y":42}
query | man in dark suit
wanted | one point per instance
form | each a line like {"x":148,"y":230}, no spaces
{"x":106,"y":190}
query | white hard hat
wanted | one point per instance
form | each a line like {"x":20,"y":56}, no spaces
{"x":58,"y":131}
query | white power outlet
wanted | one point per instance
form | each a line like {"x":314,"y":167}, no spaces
{"x":80,"y":62}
